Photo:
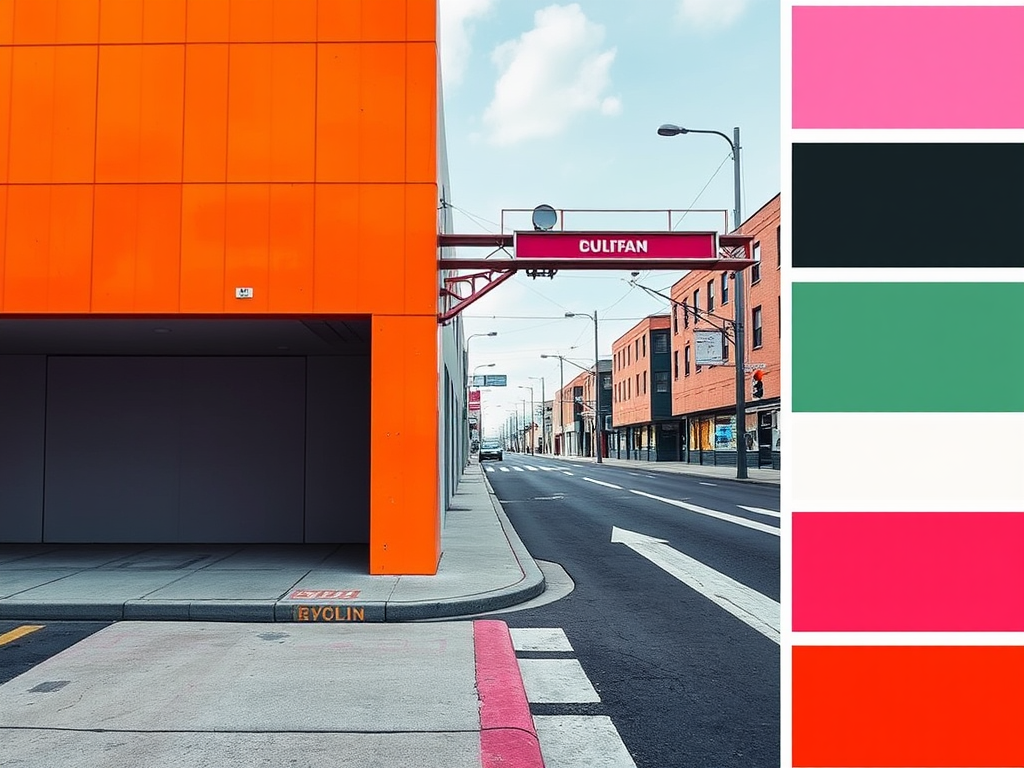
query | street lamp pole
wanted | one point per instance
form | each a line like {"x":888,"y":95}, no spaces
{"x":533,"y":413}
{"x":597,"y":382}
{"x":543,"y":416}
{"x":465,"y":421}
{"x":738,"y":308}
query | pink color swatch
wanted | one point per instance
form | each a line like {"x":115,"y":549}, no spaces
{"x":908,"y":67}
{"x":908,"y":571}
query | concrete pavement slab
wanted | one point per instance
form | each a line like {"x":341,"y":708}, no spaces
{"x":251,"y":584}
{"x":15,"y":581}
{"x":258,"y":556}
{"x":106,"y":585}
{"x":84,"y":556}
{"x":74,"y":749}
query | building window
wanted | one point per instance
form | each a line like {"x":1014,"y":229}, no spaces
{"x":725,"y":288}
{"x":645,"y":382}
{"x":686,"y":361}
{"x":675,"y":362}
{"x":778,"y":245}
{"x":755,"y":270}
{"x":711,"y":295}
{"x":660,"y":343}
{"x":661,"y":382}
{"x":636,"y":346}
{"x":686,"y":314}
{"x":644,"y":345}
{"x":629,"y":391}
{"x":675,"y":318}
{"x":725,"y":349}
{"x":696,"y":305}
{"x":627,"y":354}
{"x":638,"y":385}
{"x":757,"y":327}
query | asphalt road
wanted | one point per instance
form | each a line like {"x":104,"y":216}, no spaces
{"x":23,"y":644}
{"x":684,"y":681}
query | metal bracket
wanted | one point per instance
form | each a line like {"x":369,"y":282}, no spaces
{"x":479,"y":285}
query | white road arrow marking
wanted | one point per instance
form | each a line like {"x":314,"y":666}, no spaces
{"x":601,"y":482}
{"x":746,"y":604}
{"x":761,"y":511}
{"x":713,"y":513}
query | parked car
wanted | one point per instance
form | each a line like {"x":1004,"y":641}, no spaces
{"x":491,"y":450}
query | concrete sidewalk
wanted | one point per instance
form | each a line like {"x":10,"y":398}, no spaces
{"x":193,"y":694}
{"x":484,"y":567}
{"x":754,"y":474}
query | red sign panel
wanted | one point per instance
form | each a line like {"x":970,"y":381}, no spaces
{"x":474,"y":399}
{"x":616,"y":245}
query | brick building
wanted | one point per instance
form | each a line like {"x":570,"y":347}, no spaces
{"x":704,"y":397}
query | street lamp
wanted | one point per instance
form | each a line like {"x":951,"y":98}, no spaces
{"x":597,"y":380}
{"x":561,"y":386}
{"x":465,"y":372}
{"x":543,"y":415}
{"x":741,"y":406}
{"x":533,"y":414}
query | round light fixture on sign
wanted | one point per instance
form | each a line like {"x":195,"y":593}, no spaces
{"x":544,"y":218}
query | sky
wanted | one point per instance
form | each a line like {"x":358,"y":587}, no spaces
{"x":559,"y":103}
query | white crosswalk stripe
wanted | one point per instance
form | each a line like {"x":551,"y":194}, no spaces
{"x":504,"y":469}
{"x":566,"y":740}
{"x":761,"y":511}
{"x":533,"y":469}
{"x":489,"y":469}
{"x":518,"y":469}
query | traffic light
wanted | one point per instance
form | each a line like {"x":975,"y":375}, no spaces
{"x":758,"y":388}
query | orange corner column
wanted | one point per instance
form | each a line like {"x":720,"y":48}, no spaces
{"x":405,"y":519}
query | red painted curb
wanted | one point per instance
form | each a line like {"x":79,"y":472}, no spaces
{"x":507,"y":735}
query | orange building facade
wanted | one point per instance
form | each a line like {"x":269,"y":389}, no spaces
{"x":218,"y":219}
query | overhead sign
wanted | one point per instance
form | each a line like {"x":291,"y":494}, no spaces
{"x":616,"y":245}
{"x":708,"y":347}
{"x":474,"y":400}
{"x":493,"y":380}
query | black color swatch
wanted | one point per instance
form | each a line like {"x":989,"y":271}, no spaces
{"x":908,"y":205}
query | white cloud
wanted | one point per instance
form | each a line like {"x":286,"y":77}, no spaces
{"x":550,"y":75}
{"x":455,"y":30}
{"x":711,"y":14}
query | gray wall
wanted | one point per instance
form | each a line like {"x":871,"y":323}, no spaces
{"x":184,"y":449}
{"x":22,"y":416}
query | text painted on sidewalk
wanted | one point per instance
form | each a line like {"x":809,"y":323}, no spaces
{"x":329,"y":613}
{"x":324,"y":594}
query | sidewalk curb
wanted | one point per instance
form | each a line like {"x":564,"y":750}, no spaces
{"x":507,"y":733}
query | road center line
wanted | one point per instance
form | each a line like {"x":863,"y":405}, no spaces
{"x":14,"y":634}
{"x":713,"y":513}
{"x":601,"y":482}
{"x":713,"y":485}
{"x":761,"y":511}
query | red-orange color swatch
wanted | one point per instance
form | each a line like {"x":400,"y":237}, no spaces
{"x":942,"y":706}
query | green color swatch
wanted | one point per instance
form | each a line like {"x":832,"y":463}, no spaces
{"x":908,"y":347}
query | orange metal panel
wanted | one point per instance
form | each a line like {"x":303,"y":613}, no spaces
{"x":118,"y":112}
{"x":421,"y":23}
{"x":252,"y":21}
{"x":338,"y":20}
{"x":6,"y":22}
{"x":160,"y":113}
{"x":420,"y":251}
{"x":208,"y":21}
{"x":381,"y":247}
{"x":249,"y":112}
{"x":293,"y":116}
{"x":291,"y":248}
{"x":3,"y":239}
{"x":27,"y":251}
{"x":163,"y":21}
{"x":337,"y":112}
{"x":78,"y":21}
{"x":382,"y":112}
{"x":31,"y":118}
{"x":247,"y":246}
{"x":335,"y":266}
{"x":114,"y":248}
{"x":295,"y":21}
{"x":405,"y":531}
{"x":158,"y":248}
{"x":206,"y":113}
{"x":383,"y":20}
{"x":35,"y":22}
{"x":421,"y":113}
{"x":70,"y":264}
{"x":202,"y":248}
{"x":6,"y":55}
{"x":121,"y":21}
{"x":74,"y":114}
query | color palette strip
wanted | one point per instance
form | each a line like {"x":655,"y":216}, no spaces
{"x":908,"y":67}
{"x":885,"y":205}
{"x":908,"y":347}
{"x":927,"y":707}
{"x":908,"y":572}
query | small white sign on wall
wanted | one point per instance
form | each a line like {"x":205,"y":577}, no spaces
{"x":243,"y":293}
{"x":708,"y":347}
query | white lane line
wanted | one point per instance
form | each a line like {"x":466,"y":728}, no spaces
{"x":761,"y":511}
{"x":517,"y":469}
{"x":581,"y":741}
{"x":533,"y":469}
{"x":567,"y":473}
{"x":556,"y":681}
{"x":713,"y":513}
{"x":551,"y":469}
{"x":713,"y":485}
{"x":544,"y":639}
{"x":504,"y":469}
{"x":746,"y":604}
{"x":601,"y":482}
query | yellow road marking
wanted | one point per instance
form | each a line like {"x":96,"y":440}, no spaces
{"x":14,"y":634}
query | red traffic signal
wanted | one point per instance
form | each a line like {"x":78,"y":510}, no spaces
{"x":758,"y":388}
